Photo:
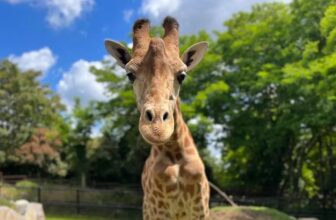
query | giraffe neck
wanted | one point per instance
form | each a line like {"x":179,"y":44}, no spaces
{"x":181,"y":141}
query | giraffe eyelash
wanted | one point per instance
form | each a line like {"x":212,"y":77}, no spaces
{"x":181,"y":76}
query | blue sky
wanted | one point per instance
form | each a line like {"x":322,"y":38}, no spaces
{"x":63,"y":38}
{"x":25,"y":28}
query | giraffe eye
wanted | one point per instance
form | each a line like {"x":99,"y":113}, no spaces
{"x":131,"y":77}
{"x":181,"y":76}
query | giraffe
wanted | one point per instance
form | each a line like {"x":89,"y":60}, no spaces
{"x":173,"y":179}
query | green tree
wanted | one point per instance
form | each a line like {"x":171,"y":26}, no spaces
{"x":83,"y":120}
{"x":42,"y":150}
{"x":277,"y":98}
{"x":122,"y":151}
{"x":25,"y":107}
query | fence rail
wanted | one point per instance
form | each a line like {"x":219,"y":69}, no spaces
{"x":12,"y":178}
{"x":130,"y":198}
{"x":78,"y":198}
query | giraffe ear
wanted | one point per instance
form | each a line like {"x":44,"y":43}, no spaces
{"x":194,"y":54}
{"x":118,"y":51}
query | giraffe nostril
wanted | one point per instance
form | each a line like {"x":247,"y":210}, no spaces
{"x":149,"y":115}
{"x":165,"y":116}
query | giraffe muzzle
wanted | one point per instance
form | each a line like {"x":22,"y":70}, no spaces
{"x":156,"y":125}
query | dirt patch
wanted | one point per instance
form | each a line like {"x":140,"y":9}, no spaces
{"x":246,"y":213}
{"x":242,"y":215}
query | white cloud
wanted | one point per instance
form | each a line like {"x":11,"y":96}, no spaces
{"x":60,"y":13}
{"x":196,"y":15}
{"x":64,"y":12}
{"x":38,"y":60}
{"x":128,"y":14}
{"x":130,"y":45}
{"x":79,"y":82}
{"x":157,"y":7}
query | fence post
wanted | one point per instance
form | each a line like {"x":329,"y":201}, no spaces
{"x":39,"y":200}
{"x":78,"y":201}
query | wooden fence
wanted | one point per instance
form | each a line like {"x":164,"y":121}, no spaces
{"x":122,"y":197}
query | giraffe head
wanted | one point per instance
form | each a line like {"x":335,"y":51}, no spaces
{"x":156,"y":71}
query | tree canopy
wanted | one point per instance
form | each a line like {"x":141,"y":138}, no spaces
{"x":29,"y":120}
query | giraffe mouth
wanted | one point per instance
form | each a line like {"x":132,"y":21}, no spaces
{"x":151,"y":140}
{"x":156,"y":133}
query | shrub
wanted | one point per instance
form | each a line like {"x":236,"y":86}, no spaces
{"x":4,"y":202}
{"x":27,"y":190}
{"x":26,"y":184}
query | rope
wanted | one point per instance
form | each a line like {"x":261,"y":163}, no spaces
{"x":223,"y":194}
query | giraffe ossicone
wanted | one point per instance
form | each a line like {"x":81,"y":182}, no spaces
{"x":173,"y":180}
